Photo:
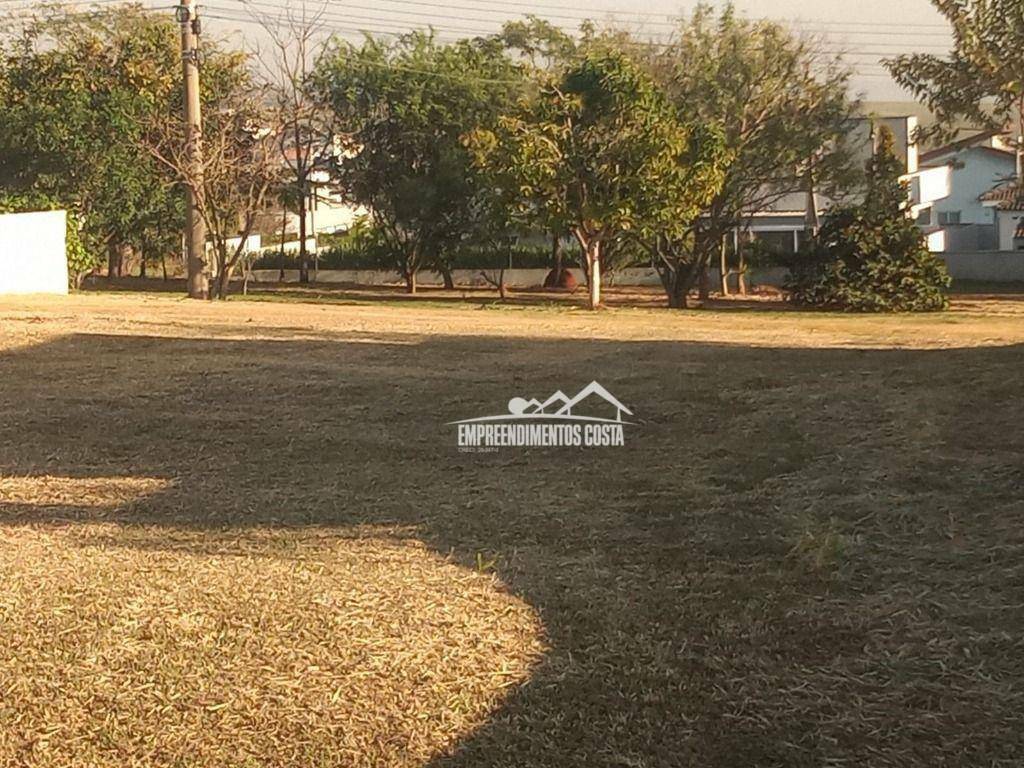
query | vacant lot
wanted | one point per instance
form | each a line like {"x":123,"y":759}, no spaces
{"x":242,"y":534}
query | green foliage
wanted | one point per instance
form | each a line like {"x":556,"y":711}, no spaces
{"x":366,"y":246}
{"x":80,"y":92}
{"x":981,"y":81}
{"x":76,"y":86}
{"x":600,"y":153}
{"x":872,"y":257}
{"x":403,"y":106}
{"x":783,"y":109}
{"x":81,"y":261}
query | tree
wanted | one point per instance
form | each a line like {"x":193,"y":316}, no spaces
{"x":240,"y":169}
{"x":74,"y":88}
{"x":297,"y":40}
{"x":982,"y":78}
{"x":784,"y":109}
{"x":871,"y":257}
{"x":400,"y":108}
{"x":599,"y":152}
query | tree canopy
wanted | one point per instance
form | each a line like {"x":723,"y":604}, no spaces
{"x":600,"y":152}
{"x":784,"y":109}
{"x":79,"y":91}
{"x":872,"y":257}
{"x":400,"y":108}
{"x":981,"y":80}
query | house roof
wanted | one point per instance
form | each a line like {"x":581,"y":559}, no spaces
{"x":1006,"y":197}
{"x":959,"y":146}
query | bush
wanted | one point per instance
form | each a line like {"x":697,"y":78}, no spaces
{"x":81,"y":260}
{"x":871,"y":257}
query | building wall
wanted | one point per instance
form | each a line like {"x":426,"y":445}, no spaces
{"x":986,"y":266}
{"x":1006,"y":224}
{"x":33,"y":253}
{"x":975,"y":172}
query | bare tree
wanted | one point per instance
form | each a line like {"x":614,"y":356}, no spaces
{"x":240,"y":169}
{"x":297,"y":37}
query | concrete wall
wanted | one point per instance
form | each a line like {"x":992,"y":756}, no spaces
{"x":986,"y":266}
{"x":514,"y":278}
{"x":33,"y":253}
{"x":961,"y":238}
{"x":1007,"y":223}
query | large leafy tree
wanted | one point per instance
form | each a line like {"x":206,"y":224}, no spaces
{"x":981,"y":80}
{"x":80,"y":92}
{"x":401,"y":107}
{"x":784,"y":109}
{"x":871,"y":257}
{"x":75,"y":85}
{"x":600,"y":152}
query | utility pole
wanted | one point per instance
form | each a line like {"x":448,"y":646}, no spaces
{"x":195,"y":227}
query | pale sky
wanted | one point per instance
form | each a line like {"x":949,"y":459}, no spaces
{"x":867,"y":30}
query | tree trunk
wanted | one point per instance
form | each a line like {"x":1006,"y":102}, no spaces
{"x":303,"y":256}
{"x":284,"y":229}
{"x":115,"y":259}
{"x":556,"y":255}
{"x":446,"y":275}
{"x":676,"y":296}
{"x":223,"y":281}
{"x":410,"y":281}
{"x":705,"y":288}
{"x":142,"y":264}
{"x":594,"y":270}
{"x":741,"y":275}
{"x":723,"y":267}
{"x":163,"y":264}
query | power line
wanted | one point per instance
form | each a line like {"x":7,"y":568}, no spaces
{"x":353,"y":23}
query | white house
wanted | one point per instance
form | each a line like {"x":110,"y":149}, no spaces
{"x":783,"y":224}
{"x":326,"y":211}
{"x":977,"y":164}
{"x":1007,"y":203}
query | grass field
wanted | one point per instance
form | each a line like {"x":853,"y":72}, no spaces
{"x":242,"y":535}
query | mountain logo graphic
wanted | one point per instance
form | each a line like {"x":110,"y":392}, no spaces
{"x":559,"y":420}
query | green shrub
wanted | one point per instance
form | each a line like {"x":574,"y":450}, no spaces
{"x":871,"y":257}
{"x":81,"y":260}
{"x":364,"y":247}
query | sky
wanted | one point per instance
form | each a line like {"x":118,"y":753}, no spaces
{"x":865,"y":30}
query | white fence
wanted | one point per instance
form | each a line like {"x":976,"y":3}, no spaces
{"x":33,"y":255}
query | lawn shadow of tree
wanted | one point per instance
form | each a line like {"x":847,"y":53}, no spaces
{"x":801,"y":555}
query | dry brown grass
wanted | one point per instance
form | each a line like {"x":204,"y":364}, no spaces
{"x":241,"y":534}
{"x":155,"y":647}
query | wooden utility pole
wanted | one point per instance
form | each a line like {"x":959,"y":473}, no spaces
{"x":195,"y":234}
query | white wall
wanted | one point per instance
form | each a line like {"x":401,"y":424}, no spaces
{"x":33,"y":252}
{"x":976,"y":171}
{"x":1007,"y":222}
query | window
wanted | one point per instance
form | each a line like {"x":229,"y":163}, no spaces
{"x":947,"y":218}
{"x":776,"y":241}
{"x":924,"y":217}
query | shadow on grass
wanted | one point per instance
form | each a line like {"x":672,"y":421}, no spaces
{"x":800,"y":557}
